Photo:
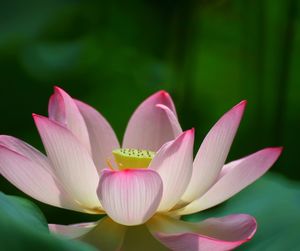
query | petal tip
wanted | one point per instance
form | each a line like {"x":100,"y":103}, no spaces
{"x":186,"y":134}
{"x":57,"y":89}
{"x":254,"y":223}
{"x":191,"y":131}
{"x":241,"y":106}
{"x":37,"y":116}
{"x":277,"y":150}
{"x":40,"y":119}
{"x":163,"y":93}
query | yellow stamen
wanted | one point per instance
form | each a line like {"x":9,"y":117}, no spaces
{"x":109,"y":164}
{"x":132,"y":158}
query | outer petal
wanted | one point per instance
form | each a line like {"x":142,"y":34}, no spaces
{"x":213,"y":153}
{"x":150,"y":126}
{"x":34,"y":179}
{"x":63,"y":109}
{"x":104,"y":234}
{"x":71,"y":162}
{"x":26,"y":150}
{"x":130,"y":197}
{"x":244,"y":173}
{"x":174,"y":163}
{"x":217,"y":234}
{"x":72,"y":231}
{"x":102,"y":137}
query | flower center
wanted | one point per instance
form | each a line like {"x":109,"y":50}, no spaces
{"x":132,"y":158}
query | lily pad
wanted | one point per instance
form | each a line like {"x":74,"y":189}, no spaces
{"x":23,"y":227}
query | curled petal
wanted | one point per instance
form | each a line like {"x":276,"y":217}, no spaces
{"x":172,"y":118}
{"x":150,"y":126}
{"x":130,"y":197}
{"x":174,"y":163}
{"x":218,"y":234}
{"x":213,"y":153}
{"x":243,"y":174}
{"x":56,"y":108}
{"x":62,"y":109}
{"x":102,"y":137}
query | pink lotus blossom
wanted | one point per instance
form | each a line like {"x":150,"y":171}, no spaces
{"x":86,"y":170}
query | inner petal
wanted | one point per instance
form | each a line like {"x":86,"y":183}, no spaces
{"x":130,"y":197}
{"x":132,"y":158}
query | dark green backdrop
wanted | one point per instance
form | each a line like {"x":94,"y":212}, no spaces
{"x":112,"y":54}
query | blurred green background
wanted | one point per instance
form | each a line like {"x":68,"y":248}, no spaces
{"x":208,"y":54}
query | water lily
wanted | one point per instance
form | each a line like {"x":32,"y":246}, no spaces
{"x":144,"y":186}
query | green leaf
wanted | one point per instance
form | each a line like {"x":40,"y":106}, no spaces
{"x":23,"y":227}
{"x":275,"y":203}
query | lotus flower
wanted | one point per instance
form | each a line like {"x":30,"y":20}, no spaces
{"x":144,"y":187}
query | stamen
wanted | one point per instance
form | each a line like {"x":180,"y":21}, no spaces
{"x":133,"y":158}
{"x":109,"y":164}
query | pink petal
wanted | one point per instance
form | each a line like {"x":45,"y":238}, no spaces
{"x":72,"y":231}
{"x":130,"y":197}
{"x":102,"y":137}
{"x":33,"y":177}
{"x":104,"y":234}
{"x":71,"y":162}
{"x":243,"y":174}
{"x":217,"y":234}
{"x":176,"y":128}
{"x":213,"y":153}
{"x":150,"y":126}
{"x":56,"y":108}
{"x":174,"y":164}
{"x":62,"y":109}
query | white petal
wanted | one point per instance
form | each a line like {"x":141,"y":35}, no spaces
{"x":71,"y":162}
{"x":247,"y":171}
{"x":102,"y":137}
{"x":174,"y":163}
{"x":213,"y":153}
{"x":150,"y":127}
{"x":228,"y":167}
{"x":72,"y":231}
{"x":130,"y":197}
